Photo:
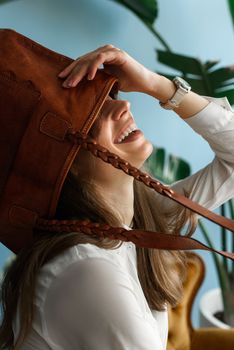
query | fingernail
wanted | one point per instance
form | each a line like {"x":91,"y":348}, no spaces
{"x":70,"y":83}
{"x":66,"y":85}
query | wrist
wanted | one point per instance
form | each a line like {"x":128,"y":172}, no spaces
{"x":161,"y":88}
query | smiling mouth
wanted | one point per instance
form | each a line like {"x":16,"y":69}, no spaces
{"x":132,"y":136}
{"x":124,"y":134}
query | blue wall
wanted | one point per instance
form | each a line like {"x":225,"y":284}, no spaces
{"x":198,"y":28}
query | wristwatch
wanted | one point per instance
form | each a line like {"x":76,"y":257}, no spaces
{"x":182,"y":89}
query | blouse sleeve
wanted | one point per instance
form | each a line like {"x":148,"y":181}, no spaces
{"x":93,"y":306}
{"x":214,"y":184}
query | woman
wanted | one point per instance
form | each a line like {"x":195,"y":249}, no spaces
{"x":95,"y":293}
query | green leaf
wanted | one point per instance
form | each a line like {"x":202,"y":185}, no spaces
{"x":231,"y":7}
{"x":155,"y":163}
{"x":222,"y":76}
{"x":180,"y":62}
{"x":211,"y":64}
{"x":146,"y":10}
{"x":167,"y":169}
{"x":198,"y":85}
{"x":228,"y":93}
{"x":5,"y":1}
{"x":202,"y":76}
{"x":177,"y":169}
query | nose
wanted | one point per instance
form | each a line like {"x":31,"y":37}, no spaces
{"x":123,"y":106}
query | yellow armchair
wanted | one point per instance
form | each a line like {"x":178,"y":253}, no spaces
{"x":182,"y":335}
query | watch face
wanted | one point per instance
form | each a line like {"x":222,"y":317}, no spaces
{"x":180,"y":82}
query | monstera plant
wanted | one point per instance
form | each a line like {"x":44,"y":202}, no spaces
{"x":206,"y":78}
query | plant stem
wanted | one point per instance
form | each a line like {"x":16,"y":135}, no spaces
{"x":158,"y":36}
{"x":222,"y":273}
{"x":224,"y":238}
{"x":231,"y":208}
{"x":223,"y":277}
{"x":204,"y":74}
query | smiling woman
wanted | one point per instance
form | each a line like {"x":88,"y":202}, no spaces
{"x":116,"y":130}
{"x":84,"y":288}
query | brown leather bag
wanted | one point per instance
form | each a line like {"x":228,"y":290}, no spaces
{"x":42,"y":128}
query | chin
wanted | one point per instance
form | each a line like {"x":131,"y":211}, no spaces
{"x":147,"y":149}
{"x":143,"y":154}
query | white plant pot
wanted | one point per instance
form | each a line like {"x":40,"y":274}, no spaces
{"x":210,"y":303}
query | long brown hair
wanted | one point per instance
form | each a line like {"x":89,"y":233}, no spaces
{"x":157,"y":271}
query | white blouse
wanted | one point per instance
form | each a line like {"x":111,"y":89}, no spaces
{"x":90,"y":298}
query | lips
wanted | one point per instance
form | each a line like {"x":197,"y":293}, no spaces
{"x":129,"y":125}
{"x":132,"y":136}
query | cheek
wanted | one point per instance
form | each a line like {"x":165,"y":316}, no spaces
{"x":102,"y":133}
{"x":95,"y":129}
{"x":105,"y":138}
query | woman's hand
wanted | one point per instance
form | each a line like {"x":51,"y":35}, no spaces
{"x":132,"y":75}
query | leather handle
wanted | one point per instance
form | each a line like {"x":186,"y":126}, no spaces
{"x":144,"y":239}
{"x":89,"y":144}
{"x":199,"y":209}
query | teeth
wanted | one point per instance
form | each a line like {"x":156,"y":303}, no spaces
{"x":127,"y":132}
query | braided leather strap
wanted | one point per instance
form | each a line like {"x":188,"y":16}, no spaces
{"x":89,"y":144}
{"x":144,"y":239}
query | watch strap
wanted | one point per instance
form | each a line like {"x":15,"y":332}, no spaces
{"x":177,"y":97}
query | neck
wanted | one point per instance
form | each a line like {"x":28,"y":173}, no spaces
{"x":120,"y":195}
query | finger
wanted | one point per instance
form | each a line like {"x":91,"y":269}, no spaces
{"x":75,"y":73}
{"x":92,"y":71}
{"x":102,"y":58}
{"x":64,"y":73}
{"x":68,"y":69}
{"x":78,"y":73}
{"x":76,"y":76}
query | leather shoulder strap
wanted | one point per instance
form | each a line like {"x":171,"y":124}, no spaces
{"x":145,"y":239}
